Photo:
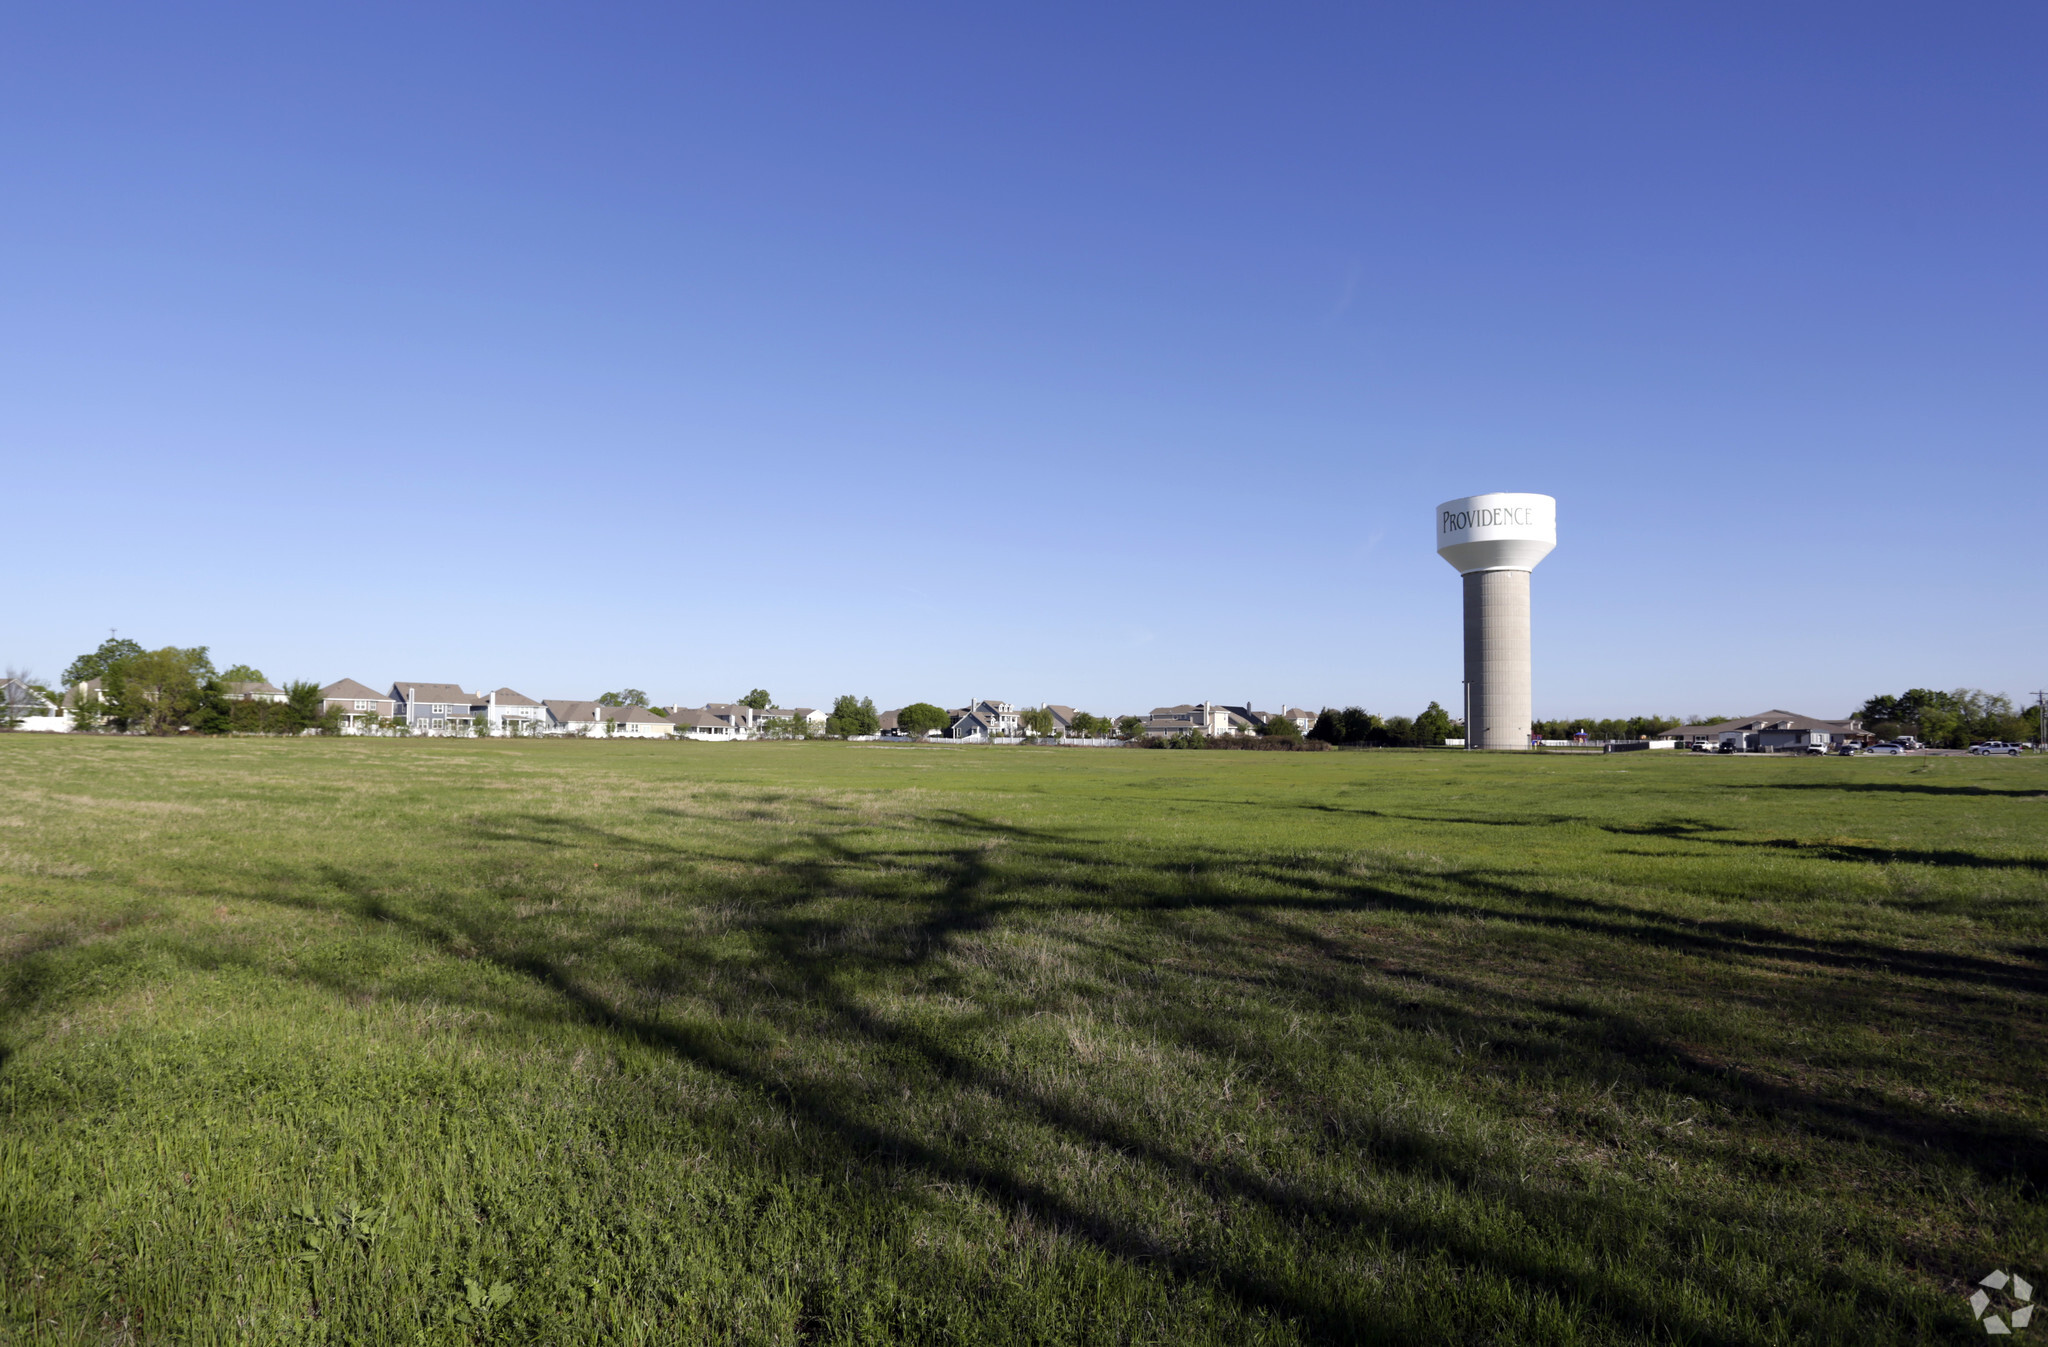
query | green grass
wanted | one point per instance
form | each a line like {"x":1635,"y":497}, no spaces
{"x":389,"y":1042}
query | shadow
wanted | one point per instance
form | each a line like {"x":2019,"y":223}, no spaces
{"x":1291,"y":1066}
{"x":1901,"y":788}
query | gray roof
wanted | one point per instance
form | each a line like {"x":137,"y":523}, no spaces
{"x":256,"y":689}
{"x":684,"y":715}
{"x":446,"y":693}
{"x":1789,"y":720}
{"x":639,"y":714}
{"x":568,"y":711}
{"x":507,"y":697}
{"x":350,"y":689}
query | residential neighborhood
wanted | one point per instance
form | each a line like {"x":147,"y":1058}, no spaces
{"x":431,"y":709}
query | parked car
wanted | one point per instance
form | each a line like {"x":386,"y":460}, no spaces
{"x":1702,"y":746}
{"x":1892,"y":750}
{"x":1994,"y":746}
{"x":1850,"y":749}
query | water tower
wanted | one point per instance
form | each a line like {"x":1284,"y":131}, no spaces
{"x":1495,"y":540}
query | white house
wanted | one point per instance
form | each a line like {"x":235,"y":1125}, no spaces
{"x":708,"y":725}
{"x":257,"y":692}
{"x":985,"y":720}
{"x":514,"y":713}
{"x":591,"y":720}
{"x":1205,"y":718}
{"x":25,"y":708}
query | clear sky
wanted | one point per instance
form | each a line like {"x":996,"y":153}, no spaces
{"x":1107,"y":355}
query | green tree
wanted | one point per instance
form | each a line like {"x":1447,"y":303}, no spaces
{"x":95,"y":665}
{"x":1130,"y":727}
{"x":304,"y":708}
{"x":623,"y":697}
{"x":157,"y":690}
{"x":1086,"y":726}
{"x":1038,"y":721}
{"x":215,"y":714}
{"x":243,"y":673}
{"x":87,"y":715}
{"x":1360,"y":726}
{"x":1329,"y":727}
{"x":852,"y":717}
{"x":1432,"y":727}
{"x":1277,"y":726}
{"x":920,"y":718}
{"x":758,"y":699}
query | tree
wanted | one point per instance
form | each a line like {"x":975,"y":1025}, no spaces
{"x":1432,"y":727}
{"x":758,"y":699}
{"x":1277,"y":726}
{"x":1038,"y":720}
{"x":1130,"y":727}
{"x":243,"y":673}
{"x":624,"y":697}
{"x":851,"y":717}
{"x":921,"y":718}
{"x":88,"y":715}
{"x":1085,"y":726}
{"x":1360,"y":726}
{"x":303,"y":705}
{"x":95,"y":665}
{"x":159,"y":690}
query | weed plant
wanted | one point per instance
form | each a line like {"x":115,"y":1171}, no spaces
{"x":361,"y":1041}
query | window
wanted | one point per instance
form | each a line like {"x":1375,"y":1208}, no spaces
{"x":362,"y":705}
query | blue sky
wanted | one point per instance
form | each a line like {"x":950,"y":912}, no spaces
{"x":1105,"y":358}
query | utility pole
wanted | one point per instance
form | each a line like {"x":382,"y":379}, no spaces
{"x":2040,"y":721}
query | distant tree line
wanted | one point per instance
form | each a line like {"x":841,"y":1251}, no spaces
{"x":177,"y":688}
{"x":1354,"y":726}
{"x":1635,"y":727}
{"x":1954,"y":719}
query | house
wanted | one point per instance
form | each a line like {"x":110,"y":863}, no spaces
{"x":514,"y":713}
{"x":985,"y":720}
{"x":436,"y":708}
{"x":1206,"y":718}
{"x":592,"y":720}
{"x":257,"y":692}
{"x":581,"y":718}
{"x":360,"y":707}
{"x":26,"y":707}
{"x":708,"y":725}
{"x":1772,"y":729}
{"x":1244,"y":720}
{"x":634,"y":722}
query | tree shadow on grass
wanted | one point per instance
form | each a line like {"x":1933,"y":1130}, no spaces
{"x":1256,"y":926}
{"x":855,"y":938}
{"x":1904,"y":788}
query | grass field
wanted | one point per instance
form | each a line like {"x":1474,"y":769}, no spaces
{"x":418,"y":1041}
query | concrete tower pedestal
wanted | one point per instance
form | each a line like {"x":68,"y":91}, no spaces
{"x":1495,"y":540}
{"x":1498,"y":692}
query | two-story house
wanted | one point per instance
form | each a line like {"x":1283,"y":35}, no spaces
{"x":514,"y":713}
{"x":436,"y":708}
{"x":985,"y":720}
{"x":360,"y":707}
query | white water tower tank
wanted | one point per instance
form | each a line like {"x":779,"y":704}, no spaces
{"x":1495,"y":540}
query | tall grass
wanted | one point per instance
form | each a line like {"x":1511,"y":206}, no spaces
{"x":404,"y":1041}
